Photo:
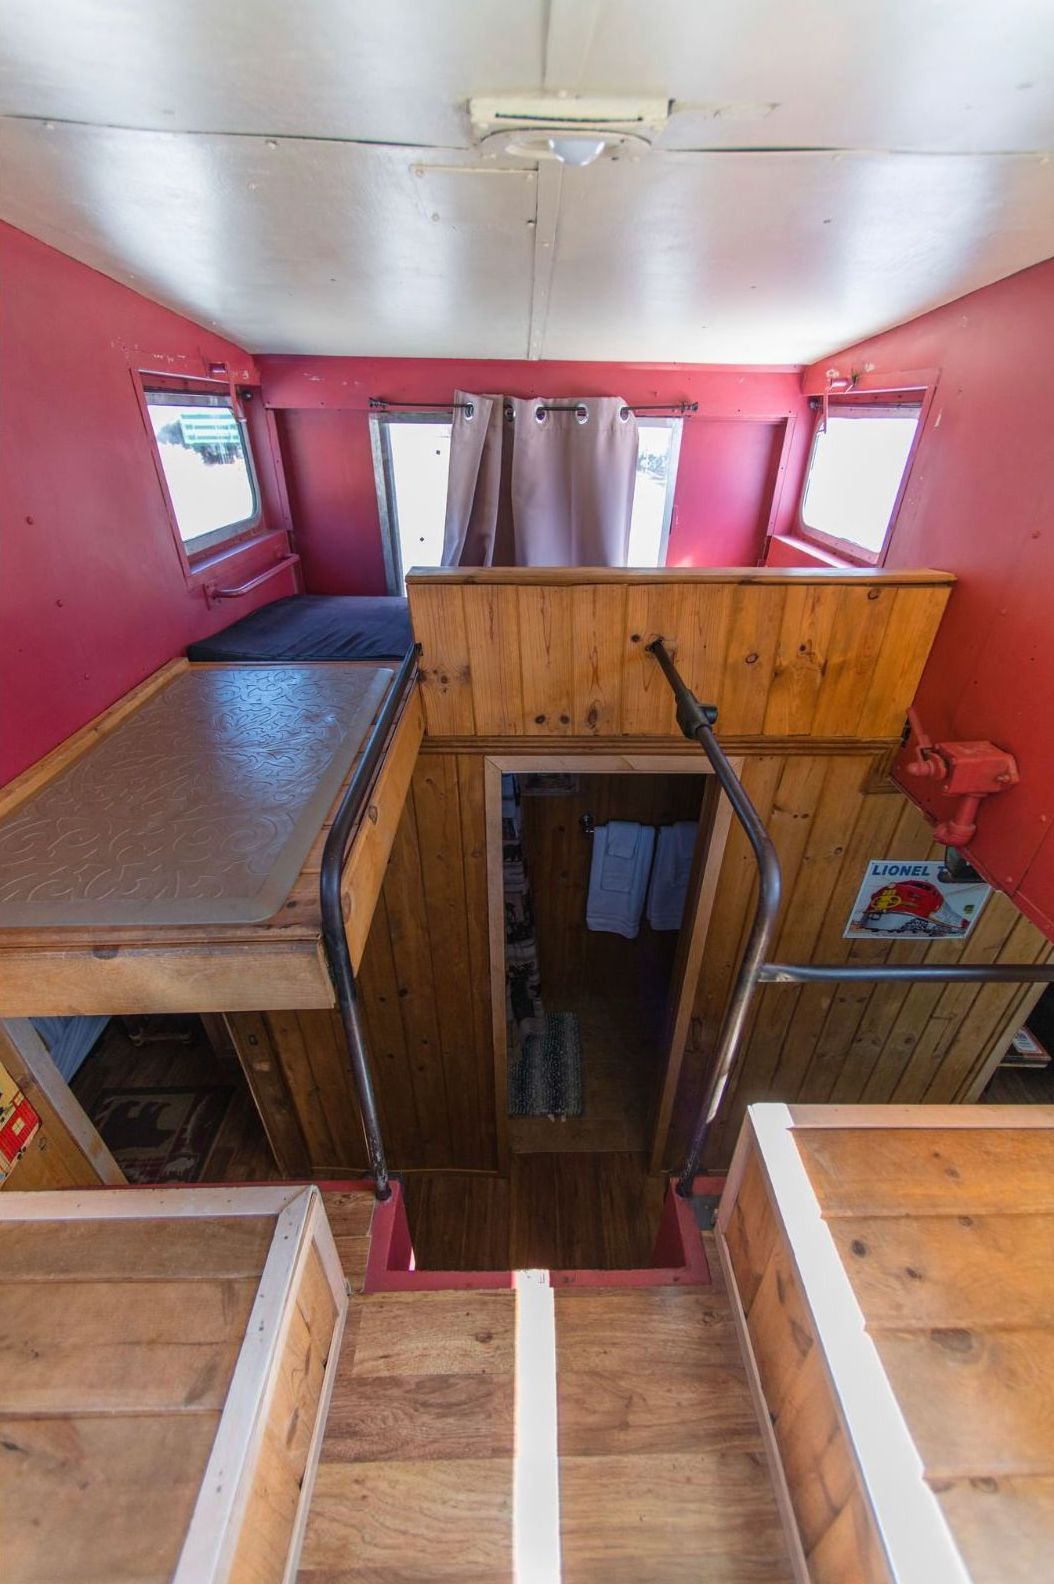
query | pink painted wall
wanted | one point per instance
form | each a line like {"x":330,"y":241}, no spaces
{"x":93,"y":595}
{"x":980,"y":503}
{"x":729,"y":483}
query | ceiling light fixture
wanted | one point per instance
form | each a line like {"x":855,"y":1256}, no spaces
{"x":577,"y":150}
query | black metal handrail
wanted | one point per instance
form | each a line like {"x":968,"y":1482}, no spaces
{"x":334,"y":928}
{"x":697,"y":722}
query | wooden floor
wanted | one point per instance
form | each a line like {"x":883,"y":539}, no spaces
{"x":660,"y":1462}
{"x":241,"y":1152}
{"x":622,"y":1048}
{"x":563,"y":1211}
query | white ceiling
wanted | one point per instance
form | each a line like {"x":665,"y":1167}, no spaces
{"x":304,"y":175}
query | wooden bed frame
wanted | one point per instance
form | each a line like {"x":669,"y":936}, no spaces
{"x":276,"y":965}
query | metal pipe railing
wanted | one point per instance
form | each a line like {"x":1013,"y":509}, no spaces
{"x":933,"y":973}
{"x":334,"y":929}
{"x":697,"y":722}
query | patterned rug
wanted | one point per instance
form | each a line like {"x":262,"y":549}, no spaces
{"x":161,"y":1135}
{"x":545,"y":1074}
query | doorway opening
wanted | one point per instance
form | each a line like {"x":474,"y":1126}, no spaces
{"x":603,"y":959}
{"x":582,"y":1173}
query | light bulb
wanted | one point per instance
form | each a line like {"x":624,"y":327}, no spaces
{"x":577,"y":150}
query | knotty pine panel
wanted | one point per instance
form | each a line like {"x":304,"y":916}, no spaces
{"x":558,"y":855}
{"x":526,"y":652}
{"x":835,"y":1042}
{"x":424,"y":979}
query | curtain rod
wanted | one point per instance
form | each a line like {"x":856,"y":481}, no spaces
{"x":382,"y":404}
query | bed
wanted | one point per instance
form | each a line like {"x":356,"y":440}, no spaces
{"x":314,"y":627}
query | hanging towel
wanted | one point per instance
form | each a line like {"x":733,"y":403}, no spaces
{"x":618,"y":877}
{"x":670,"y":874}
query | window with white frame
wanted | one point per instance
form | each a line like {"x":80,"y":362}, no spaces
{"x":858,"y":466}
{"x":412,"y":456}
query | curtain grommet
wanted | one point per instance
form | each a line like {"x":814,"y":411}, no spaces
{"x":582,"y":413}
{"x":624,"y":413}
{"x":510,"y":413}
{"x":540,"y":415}
{"x":469,"y":409}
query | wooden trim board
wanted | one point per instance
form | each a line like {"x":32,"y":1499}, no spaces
{"x":569,"y":577}
{"x":68,"y":1110}
{"x":216,"y":1525}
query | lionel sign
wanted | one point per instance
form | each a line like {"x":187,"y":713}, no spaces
{"x":912,"y":899}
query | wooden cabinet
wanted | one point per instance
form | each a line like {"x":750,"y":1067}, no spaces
{"x":166,"y":1358}
{"x":891,"y":1276}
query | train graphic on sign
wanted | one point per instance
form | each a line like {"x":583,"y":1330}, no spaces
{"x":912,"y":897}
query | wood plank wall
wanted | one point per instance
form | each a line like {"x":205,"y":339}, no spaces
{"x":425,"y":998}
{"x":538,"y":652}
{"x":865,"y":1042}
{"x":812,"y":675}
{"x":573,"y":959}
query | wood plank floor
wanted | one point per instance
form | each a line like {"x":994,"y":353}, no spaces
{"x":622,"y":1049}
{"x":565,"y":1211}
{"x":661,"y":1468}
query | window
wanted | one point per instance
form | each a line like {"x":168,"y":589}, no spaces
{"x":207,"y":466}
{"x":412,"y":457}
{"x":658,"y":449}
{"x":856,"y":471}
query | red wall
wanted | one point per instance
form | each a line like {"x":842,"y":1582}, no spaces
{"x":93,"y":594}
{"x":980,"y":503}
{"x":729,"y":481}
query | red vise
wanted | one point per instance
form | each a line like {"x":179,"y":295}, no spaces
{"x":969,"y":772}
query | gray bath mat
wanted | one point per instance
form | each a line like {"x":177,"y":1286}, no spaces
{"x":545,"y":1075}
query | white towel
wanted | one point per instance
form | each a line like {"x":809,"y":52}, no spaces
{"x":670,"y":874}
{"x":618,"y":877}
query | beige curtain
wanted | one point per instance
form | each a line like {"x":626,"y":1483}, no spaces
{"x":530,"y":486}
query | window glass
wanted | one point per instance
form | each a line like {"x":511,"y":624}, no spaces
{"x":657,"y":453}
{"x":415,"y":482}
{"x":420,"y":459}
{"x":203,"y":452}
{"x":855,"y":472}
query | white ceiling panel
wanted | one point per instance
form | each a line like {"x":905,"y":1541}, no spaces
{"x":925,"y":74}
{"x":781,"y":257}
{"x":855,"y":74}
{"x":253,"y":163}
{"x":396,"y":72}
{"x":288,"y":246}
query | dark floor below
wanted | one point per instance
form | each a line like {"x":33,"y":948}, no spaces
{"x":563,"y":1211}
{"x":178,"y":1055}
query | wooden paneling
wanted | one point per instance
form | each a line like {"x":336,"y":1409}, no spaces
{"x":834,"y":1523}
{"x":559,"y":853}
{"x":944,"y":1233}
{"x":850,"y":1042}
{"x":271,"y":1510}
{"x":561,"y":652}
{"x":424,"y":994}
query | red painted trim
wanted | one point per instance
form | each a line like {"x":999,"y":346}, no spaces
{"x":390,"y":1268}
{"x":679,"y":1259}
